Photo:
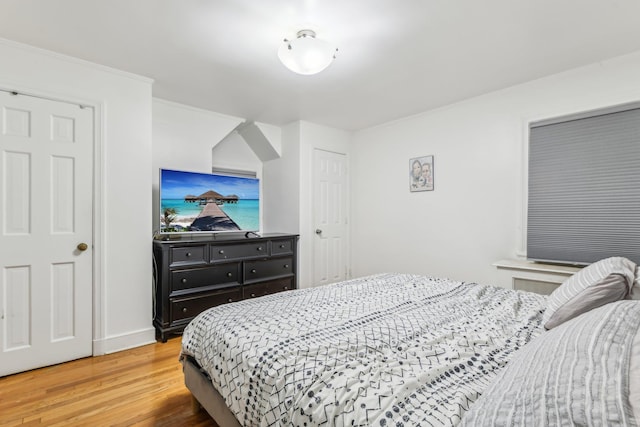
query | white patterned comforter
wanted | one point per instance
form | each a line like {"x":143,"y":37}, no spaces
{"x":385,"y":350}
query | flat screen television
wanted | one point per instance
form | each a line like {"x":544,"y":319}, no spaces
{"x":192,"y":202}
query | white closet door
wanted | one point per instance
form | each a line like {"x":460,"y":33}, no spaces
{"x":46,"y":170}
{"x":330,"y":217}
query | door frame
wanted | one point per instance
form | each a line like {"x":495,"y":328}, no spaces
{"x":98,"y":280}
{"x":347,"y":210}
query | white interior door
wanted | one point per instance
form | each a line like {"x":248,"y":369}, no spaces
{"x":330,"y":217}
{"x":46,"y":150}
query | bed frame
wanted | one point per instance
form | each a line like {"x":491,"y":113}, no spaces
{"x":204,"y":395}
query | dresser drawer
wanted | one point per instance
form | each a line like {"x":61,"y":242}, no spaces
{"x":187,"y":255}
{"x":266,"y":288}
{"x":206,"y":276}
{"x":186,"y":308}
{"x":282,"y":247}
{"x":240,"y":251}
{"x":266,"y":269}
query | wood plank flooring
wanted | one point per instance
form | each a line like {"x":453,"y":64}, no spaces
{"x":139,"y":387}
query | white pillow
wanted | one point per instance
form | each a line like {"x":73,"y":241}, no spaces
{"x":634,"y":377}
{"x":635,"y":287}
{"x":600,"y":283}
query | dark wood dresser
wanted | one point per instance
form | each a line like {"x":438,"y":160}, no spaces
{"x":193,"y":273}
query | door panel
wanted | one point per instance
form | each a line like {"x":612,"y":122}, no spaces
{"x":17,"y":286}
{"x":330,"y":219}
{"x":45,"y":212}
{"x":17,"y":199}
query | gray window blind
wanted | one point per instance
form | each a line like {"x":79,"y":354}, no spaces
{"x":584,"y":187}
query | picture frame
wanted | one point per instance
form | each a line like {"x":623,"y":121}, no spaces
{"x":421,"y":174}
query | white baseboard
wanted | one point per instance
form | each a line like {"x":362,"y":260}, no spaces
{"x":124,"y":342}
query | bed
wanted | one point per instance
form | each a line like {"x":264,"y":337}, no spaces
{"x":384,"y":350}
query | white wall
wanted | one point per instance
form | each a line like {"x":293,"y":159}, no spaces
{"x":475,"y":215}
{"x":235,"y":154}
{"x":289,"y":206}
{"x":281,"y":211}
{"x":122,"y":288}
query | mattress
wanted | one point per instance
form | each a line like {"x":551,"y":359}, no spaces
{"x":384,"y":350}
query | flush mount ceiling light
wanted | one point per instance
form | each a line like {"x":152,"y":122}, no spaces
{"x":306,"y":54}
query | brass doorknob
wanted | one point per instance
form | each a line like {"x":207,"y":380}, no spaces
{"x":82,"y":247}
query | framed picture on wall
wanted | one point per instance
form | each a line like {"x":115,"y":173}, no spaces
{"x":421,"y":174}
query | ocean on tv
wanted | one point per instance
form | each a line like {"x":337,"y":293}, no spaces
{"x":245,"y":213}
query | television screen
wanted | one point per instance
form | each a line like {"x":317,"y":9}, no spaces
{"x":204,"y":202}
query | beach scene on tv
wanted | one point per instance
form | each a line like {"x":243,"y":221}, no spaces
{"x":191,"y":201}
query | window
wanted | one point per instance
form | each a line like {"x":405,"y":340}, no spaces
{"x":584,"y":187}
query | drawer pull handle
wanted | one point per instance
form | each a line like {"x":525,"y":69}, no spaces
{"x":286,"y":288}
{"x":229,"y":274}
{"x":188,"y":254}
{"x":184,"y":309}
{"x":230,"y":300}
{"x":259,"y":248}
{"x":221,"y":251}
{"x":281,"y":246}
{"x":286,"y":266}
{"x":253,"y":295}
{"x":253,"y":270}
{"x":184,"y":280}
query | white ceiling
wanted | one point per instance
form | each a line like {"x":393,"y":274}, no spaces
{"x":396,"y":57}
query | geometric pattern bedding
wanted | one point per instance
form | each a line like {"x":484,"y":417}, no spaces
{"x":384,"y":350}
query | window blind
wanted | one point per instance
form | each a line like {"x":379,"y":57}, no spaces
{"x":584,"y":187}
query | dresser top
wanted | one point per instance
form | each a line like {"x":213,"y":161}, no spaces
{"x":218,"y":238}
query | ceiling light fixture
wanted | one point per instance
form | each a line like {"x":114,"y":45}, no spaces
{"x":306,"y":54}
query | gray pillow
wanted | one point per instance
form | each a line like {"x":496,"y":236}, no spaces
{"x":581,"y":373}
{"x":600,"y":283}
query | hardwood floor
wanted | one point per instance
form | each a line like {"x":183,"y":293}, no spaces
{"x":139,"y":387}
